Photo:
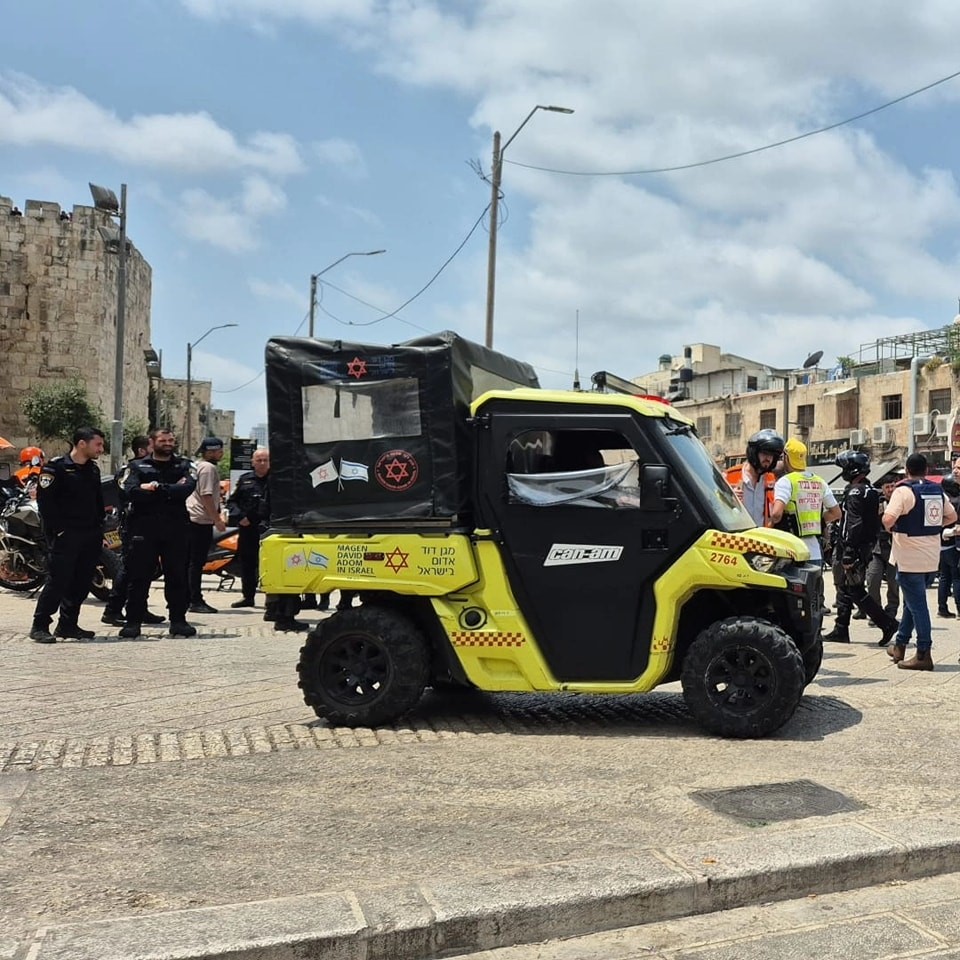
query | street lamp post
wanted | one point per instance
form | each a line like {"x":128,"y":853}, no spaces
{"x":496,"y":174}
{"x":106,"y":200}
{"x":314,"y":276}
{"x":188,"y":446}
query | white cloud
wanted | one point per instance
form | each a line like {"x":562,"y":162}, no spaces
{"x":341,"y":153}
{"x":827,"y":237}
{"x":230,"y":224}
{"x":32,"y":114}
{"x":278,"y":291}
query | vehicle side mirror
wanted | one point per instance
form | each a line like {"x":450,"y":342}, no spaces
{"x":654,"y":486}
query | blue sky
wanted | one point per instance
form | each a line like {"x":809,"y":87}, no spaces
{"x":261,"y":140}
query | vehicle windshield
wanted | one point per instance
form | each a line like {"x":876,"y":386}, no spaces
{"x":691,"y":456}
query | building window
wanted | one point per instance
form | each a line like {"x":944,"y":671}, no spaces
{"x":805,"y":415}
{"x":892,"y":406}
{"x":768,"y":419}
{"x":732,"y":425}
{"x":705,"y":427}
{"x":751,"y":383}
{"x":847,"y":413}
{"x":940,"y":400}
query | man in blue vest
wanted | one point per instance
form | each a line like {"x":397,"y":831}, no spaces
{"x":915,"y":514}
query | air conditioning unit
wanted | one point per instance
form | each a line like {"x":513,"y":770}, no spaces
{"x":858,"y":438}
{"x":942,"y":425}
{"x":921,"y":424}
{"x":882,"y":433}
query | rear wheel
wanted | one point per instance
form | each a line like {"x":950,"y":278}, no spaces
{"x":742,"y":677}
{"x":363,"y":667}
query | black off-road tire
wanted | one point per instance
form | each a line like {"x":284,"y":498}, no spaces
{"x":742,"y":677}
{"x":364,"y":667}
{"x":108,"y":566}
{"x":812,"y":658}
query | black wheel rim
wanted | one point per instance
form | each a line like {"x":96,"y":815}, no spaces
{"x":355,"y":669}
{"x":741,"y":680}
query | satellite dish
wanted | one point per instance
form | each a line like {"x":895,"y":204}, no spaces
{"x":813,"y":359}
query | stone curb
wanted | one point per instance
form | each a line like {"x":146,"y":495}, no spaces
{"x":444,"y":916}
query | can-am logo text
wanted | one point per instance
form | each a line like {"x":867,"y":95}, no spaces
{"x":562,"y":554}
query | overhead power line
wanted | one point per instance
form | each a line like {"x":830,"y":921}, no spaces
{"x":386,"y":316}
{"x":740,"y":153}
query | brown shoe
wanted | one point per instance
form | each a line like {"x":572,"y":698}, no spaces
{"x":922,"y":661}
{"x":896,"y":653}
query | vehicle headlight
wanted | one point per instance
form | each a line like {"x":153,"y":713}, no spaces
{"x":763,"y":563}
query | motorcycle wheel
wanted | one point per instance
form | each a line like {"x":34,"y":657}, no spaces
{"x":108,"y":566}
{"x":22,"y":581}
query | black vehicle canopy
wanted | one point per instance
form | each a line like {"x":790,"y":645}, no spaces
{"x":364,"y":432}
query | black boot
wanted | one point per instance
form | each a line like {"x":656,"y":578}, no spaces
{"x":839,"y":634}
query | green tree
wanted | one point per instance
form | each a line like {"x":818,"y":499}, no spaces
{"x":133,"y":428}
{"x":224,"y":465}
{"x":56,"y":410}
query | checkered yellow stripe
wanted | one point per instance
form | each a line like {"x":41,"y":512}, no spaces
{"x":469,"y":638}
{"x":731,"y":541}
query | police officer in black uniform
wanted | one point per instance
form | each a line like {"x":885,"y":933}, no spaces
{"x":247,"y":509}
{"x":856,"y":537}
{"x":140,"y":447}
{"x":157,"y":488}
{"x":71,"y":507}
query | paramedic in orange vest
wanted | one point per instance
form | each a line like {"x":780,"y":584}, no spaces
{"x":753,"y":481}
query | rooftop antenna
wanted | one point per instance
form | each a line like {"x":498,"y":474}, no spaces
{"x":576,"y":359}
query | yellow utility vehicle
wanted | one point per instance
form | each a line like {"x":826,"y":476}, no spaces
{"x":508,"y":538}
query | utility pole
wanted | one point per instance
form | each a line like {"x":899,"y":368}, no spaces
{"x":496,"y":172}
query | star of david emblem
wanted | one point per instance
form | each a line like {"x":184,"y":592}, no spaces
{"x":357,"y":368}
{"x":396,"y":470}
{"x":396,"y":560}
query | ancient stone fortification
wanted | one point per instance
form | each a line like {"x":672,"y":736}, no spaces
{"x":58,"y":312}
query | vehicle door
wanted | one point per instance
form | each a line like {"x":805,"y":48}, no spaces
{"x":584,"y":534}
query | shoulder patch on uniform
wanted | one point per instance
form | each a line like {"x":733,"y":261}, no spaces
{"x":45,"y":480}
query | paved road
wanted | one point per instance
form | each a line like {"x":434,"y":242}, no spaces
{"x":150,"y":775}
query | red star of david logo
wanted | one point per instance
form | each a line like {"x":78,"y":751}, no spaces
{"x":396,"y":560}
{"x":396,"y":470}
{"x":357,"y":368}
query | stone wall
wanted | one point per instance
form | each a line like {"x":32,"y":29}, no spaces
{"x":58,"y":312}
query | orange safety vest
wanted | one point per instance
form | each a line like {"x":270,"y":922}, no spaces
{"x":25,"y":474}
{"x":734,"y":477}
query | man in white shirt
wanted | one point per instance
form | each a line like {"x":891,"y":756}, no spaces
{"x":916,"y":513}
{"x":203,"y":508}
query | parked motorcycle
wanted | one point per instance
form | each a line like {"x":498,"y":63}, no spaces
{"x":24,"y":552}
{"x":223,"y":560}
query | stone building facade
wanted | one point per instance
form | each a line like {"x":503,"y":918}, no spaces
{"x":206,"y":420}
{"x":904,"y":405}
{"x":58,"y":312}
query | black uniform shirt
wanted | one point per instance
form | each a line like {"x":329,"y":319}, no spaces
{"x":861,"y":521}
{"x":176,"y":479}
{"x":69,"y":495}
{"x":247,"y":500}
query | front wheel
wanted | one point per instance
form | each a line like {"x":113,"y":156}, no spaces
{"x":742,"y":677}
{"x":363,"y":667}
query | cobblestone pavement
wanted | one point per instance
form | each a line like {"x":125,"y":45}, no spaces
{"x":159,"y":774}
{"x":231,"y":691}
